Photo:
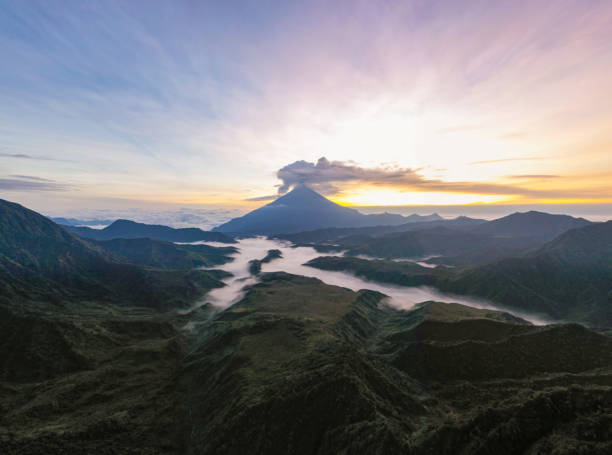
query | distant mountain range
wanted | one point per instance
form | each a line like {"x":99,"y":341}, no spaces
{"x":332,"y":235}
{"x":303,"y":209}
{"x":530,"y":224}
{"x":459,"y":241}
{"x":126,"y":229}
{"x":568,"y":278}
{"x":511,"y":234}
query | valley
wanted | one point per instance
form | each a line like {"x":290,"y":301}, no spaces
{"x":303,"y":261}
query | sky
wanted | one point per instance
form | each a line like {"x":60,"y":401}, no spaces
{"x":216,"y":104}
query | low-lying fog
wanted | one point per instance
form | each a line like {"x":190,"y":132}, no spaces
{"x":401,"y":297}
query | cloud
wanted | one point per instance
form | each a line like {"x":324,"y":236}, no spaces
{"x":30,"y":183}
{"x":514,"y":135}
{"x":30,"y":177}
{"x":505,"y":160}
{"x":328,"y":177}
{"x":262,"y":198}
{"x":533,"y":176}
{"x":178,"y":218}
{"x":324,"y":174}
{"x":459,"y":129}
{"x":28,"y":157}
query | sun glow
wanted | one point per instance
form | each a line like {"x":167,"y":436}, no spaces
{"x":391,"y":197}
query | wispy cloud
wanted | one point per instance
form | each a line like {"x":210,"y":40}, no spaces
{"x":459,"y":129}
{"x":514,"y":135}
{"x":533,"y":176}
{"x":25,"y":156}
{"x":507,"y":160}
{"x":270,"y":197}
{"x":31,"y":183}
{"x":31,"y":177}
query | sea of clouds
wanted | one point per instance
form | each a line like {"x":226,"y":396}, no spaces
{"x":177,"y":218}
{"x":293,"y":261}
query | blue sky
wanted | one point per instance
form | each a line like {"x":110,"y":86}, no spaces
{"x":176,"y":103}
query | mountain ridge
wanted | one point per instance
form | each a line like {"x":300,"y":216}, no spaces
{"x":41,"y":261}
{"x":128,"y":229}
{"x":532,"y":223}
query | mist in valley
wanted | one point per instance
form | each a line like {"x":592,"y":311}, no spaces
{"x":293,"y":260}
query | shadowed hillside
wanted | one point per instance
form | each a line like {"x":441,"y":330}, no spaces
{"x":40,"y":261}
{"x":126,"y":229}
{"x":569,"y":278}
{"x":166,"y":255}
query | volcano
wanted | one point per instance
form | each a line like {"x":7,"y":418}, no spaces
{"x":303,"y":209}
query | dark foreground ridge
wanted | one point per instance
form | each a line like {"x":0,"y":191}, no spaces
{"x":310,"y":368}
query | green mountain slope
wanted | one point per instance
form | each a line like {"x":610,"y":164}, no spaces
{"x":302,"y":367}
{"x":459,"y":242}
{"x":568,"y":278}
{"x":89,"y":379}
{"x":166,"y":255}
{"x":40,"y":261}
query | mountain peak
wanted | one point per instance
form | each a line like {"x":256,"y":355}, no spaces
{"x":122,"y":222}
{"x":303,"y":209}
{"x":303,"y":197}
{"x":532,"y":223}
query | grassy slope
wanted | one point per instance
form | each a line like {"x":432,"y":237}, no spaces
{"x":40,"y":261}
{"x":460,"y":242}
{"x":568,"y":278}
{"x":167,"y":255}
{"x":402,"y":273}
{"x":91,"y":379}
{"x":255,"y":264}
{"x":302,"y":367}
{"x":82,"y":369}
